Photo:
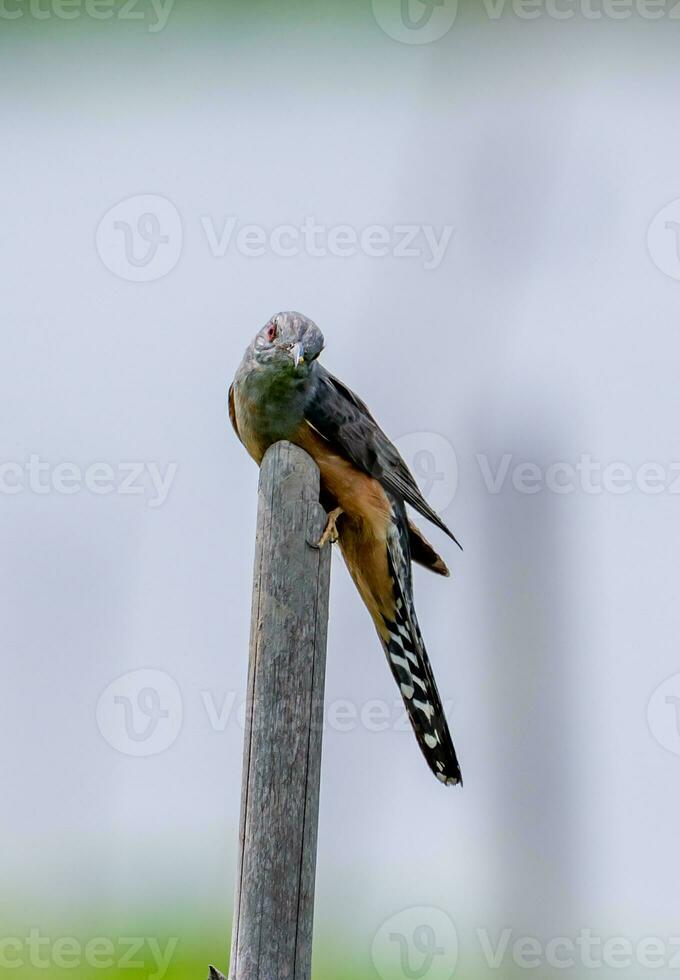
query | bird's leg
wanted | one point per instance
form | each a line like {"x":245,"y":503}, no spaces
{"x":330,"y":532}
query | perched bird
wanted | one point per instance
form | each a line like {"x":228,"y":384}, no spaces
{"x":281,"y":391}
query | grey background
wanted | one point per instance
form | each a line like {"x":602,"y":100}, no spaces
{"x":547,"y":333}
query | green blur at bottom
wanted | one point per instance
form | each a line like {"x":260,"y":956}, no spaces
{"x":161,"y":952}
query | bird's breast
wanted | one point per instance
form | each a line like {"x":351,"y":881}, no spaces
{"x":265,"y":415}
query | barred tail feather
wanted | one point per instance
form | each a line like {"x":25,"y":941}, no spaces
{"x":410,"y":664}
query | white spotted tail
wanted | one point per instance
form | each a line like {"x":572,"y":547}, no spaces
{"x":409,"y":662}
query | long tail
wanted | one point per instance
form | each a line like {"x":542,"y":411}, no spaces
{"x":409,"y":662}
{"x":377,"y":552}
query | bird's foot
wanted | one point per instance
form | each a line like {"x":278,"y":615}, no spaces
{"x":331,"y":532}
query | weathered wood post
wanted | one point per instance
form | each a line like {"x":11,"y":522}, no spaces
{"x":274,"y":906}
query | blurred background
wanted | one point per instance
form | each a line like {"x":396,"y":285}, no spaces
{"x":479,"y":205}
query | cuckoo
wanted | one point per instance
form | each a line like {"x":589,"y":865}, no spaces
{"x":281,"y":391}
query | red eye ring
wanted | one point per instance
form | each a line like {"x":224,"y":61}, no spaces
{"x":271,"y":332}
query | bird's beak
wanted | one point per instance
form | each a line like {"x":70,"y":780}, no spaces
{"x":298,"y":354}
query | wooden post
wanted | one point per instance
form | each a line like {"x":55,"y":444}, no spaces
{"x":274,"y":906}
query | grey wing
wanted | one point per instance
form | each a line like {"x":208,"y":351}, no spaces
{"x":343,"y":419}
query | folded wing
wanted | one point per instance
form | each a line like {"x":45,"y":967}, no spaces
{"x":343,"y":419}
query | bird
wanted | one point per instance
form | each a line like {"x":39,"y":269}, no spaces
{"x":281,"y":391}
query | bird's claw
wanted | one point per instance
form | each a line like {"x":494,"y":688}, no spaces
{"x":330,"y":531}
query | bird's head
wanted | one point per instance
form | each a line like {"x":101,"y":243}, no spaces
{"x":288,"y":341}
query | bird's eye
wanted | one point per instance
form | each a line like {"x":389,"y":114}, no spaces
{"x":271,"y":331}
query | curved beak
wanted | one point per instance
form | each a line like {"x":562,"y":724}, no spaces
{"x":297,"y":352}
